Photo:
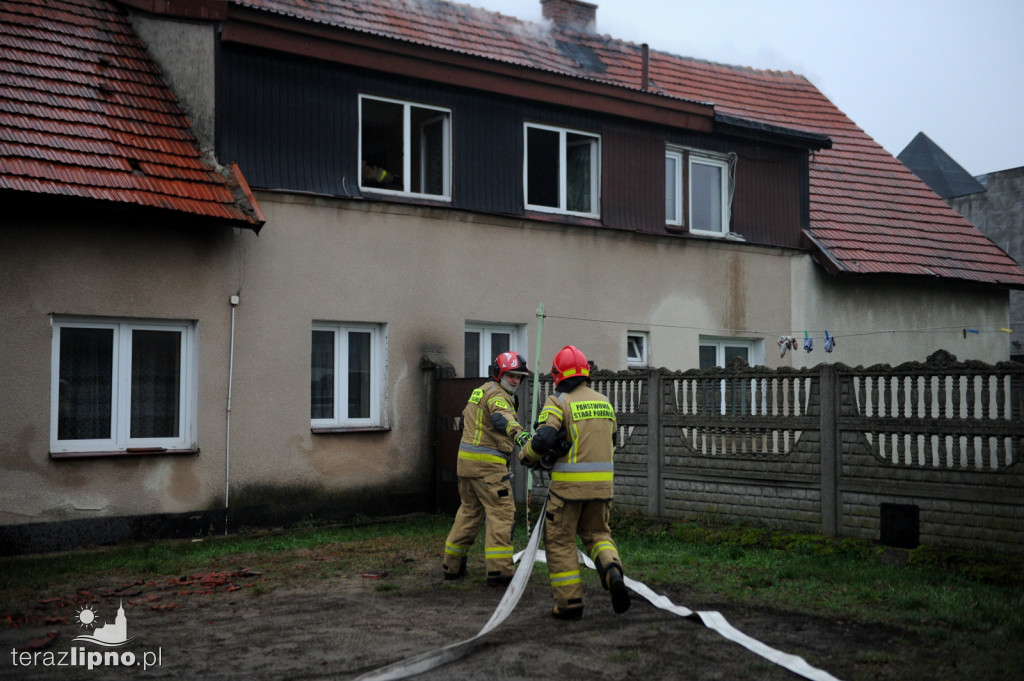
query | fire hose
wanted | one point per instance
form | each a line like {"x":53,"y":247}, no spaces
{"x":431,"y":659}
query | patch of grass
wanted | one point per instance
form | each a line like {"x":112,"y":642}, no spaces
{"x":934,"y":592}
{"x":626,"y":657}
{"x":377,"y":546}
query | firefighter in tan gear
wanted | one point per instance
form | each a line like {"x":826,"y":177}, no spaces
{"x":489,"y":436}
{"x":575,"y":439}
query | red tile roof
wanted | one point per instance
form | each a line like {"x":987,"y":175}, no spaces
{"x":85,"y":113}
{"x":869,"y":213}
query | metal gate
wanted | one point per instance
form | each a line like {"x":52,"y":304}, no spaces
{"x":452,"y":395}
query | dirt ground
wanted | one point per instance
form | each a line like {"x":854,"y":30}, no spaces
{"x":307,"y":619}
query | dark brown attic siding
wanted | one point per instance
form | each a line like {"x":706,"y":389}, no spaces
{"x":868,"y":213}
{"x":84,"y":113}
{"x":413,"y":58}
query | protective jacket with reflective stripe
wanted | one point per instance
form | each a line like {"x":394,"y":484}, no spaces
{"x":588,"y":419}
{"x":488,"y":426}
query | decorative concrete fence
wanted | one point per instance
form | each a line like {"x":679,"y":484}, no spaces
{"x":917,"y":453}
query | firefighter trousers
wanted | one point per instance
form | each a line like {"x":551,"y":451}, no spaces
{"x":483,"y":499}
{"x":565,"y":519}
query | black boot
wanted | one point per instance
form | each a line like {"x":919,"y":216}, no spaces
{"x":572,"y":612}
{"x":617,"y":585}
{"x":449,"y":576}
{"x":498,"y":579}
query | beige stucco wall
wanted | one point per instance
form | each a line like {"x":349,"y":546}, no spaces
{"x":136,"y":270}
{"x":423,"y":272}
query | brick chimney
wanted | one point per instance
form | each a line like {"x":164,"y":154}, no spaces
{"x":571,"y":14}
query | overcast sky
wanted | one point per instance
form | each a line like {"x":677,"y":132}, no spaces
{"x":952,"y":69}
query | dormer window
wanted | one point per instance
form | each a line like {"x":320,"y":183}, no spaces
{"x":698,"y":191}
{"x":404,"y":148}
{"x":562,"y":171}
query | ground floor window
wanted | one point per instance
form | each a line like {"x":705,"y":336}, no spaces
{"x":346,"y":375}
{"x":637,"y":352}
{"x":730,"y":396}
{"x":485,"y":341}
{"x":122,"y":384}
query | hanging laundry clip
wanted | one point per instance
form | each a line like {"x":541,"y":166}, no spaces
{"x":967,"y":331}
{"x":808,"y":343}
{"x":830,"y":342}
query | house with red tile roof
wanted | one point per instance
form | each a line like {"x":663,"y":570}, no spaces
{"x":242,"y":236}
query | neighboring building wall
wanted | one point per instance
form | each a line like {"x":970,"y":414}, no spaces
{"x":889,"y":321}
{"x":185,"y":51}
{"x":998,"y":213}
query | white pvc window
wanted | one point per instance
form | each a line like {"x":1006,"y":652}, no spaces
{"x":484,"y":342}
{"x":736,"y":396}
{"x":674,"y":188}
{"x":122,"y":385}
{"x":698,"y":191}
{"x":404,"y":148}
{"x":562,"y":171}
{"x":346,"y":375}
{"x":637,"y":349}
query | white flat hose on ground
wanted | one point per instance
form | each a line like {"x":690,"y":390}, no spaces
{"x":716,"y":622}
{"x":423,"y":662}
{"x":417,"y":664}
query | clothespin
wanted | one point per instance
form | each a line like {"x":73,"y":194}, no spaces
{"x":808,"y":342}
{"x":967,"y":331}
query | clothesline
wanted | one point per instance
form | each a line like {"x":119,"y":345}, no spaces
{"x":963,"y":329}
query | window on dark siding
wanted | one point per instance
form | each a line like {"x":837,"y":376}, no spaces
{"x":404,"y":148}
{"x":561,"y":174}
{"x":698,"y":191}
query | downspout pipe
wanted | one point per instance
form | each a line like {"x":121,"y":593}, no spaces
{"x":234,"y":300}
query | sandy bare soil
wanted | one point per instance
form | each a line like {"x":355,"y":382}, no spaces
{"x":303,"y":619}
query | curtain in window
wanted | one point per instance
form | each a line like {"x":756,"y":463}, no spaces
{"x":156,"y":383}
{"x":359,"y":375}
{"x":578,"y":173}
{"x":706,"y":197}
{"x":85,"y":383}
{"x":322,"y":375}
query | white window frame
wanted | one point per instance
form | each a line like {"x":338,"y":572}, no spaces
{"x":679,"y":158}
{"x":445,"y":115}
{"x":674,"y":187}
{"x":378,"y":366}
{"x":563,"y":179}
{"x":120,"y":439}
{"x":517,"y":336}
{"x":638,"y":345}
{"x":755,"y":356}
